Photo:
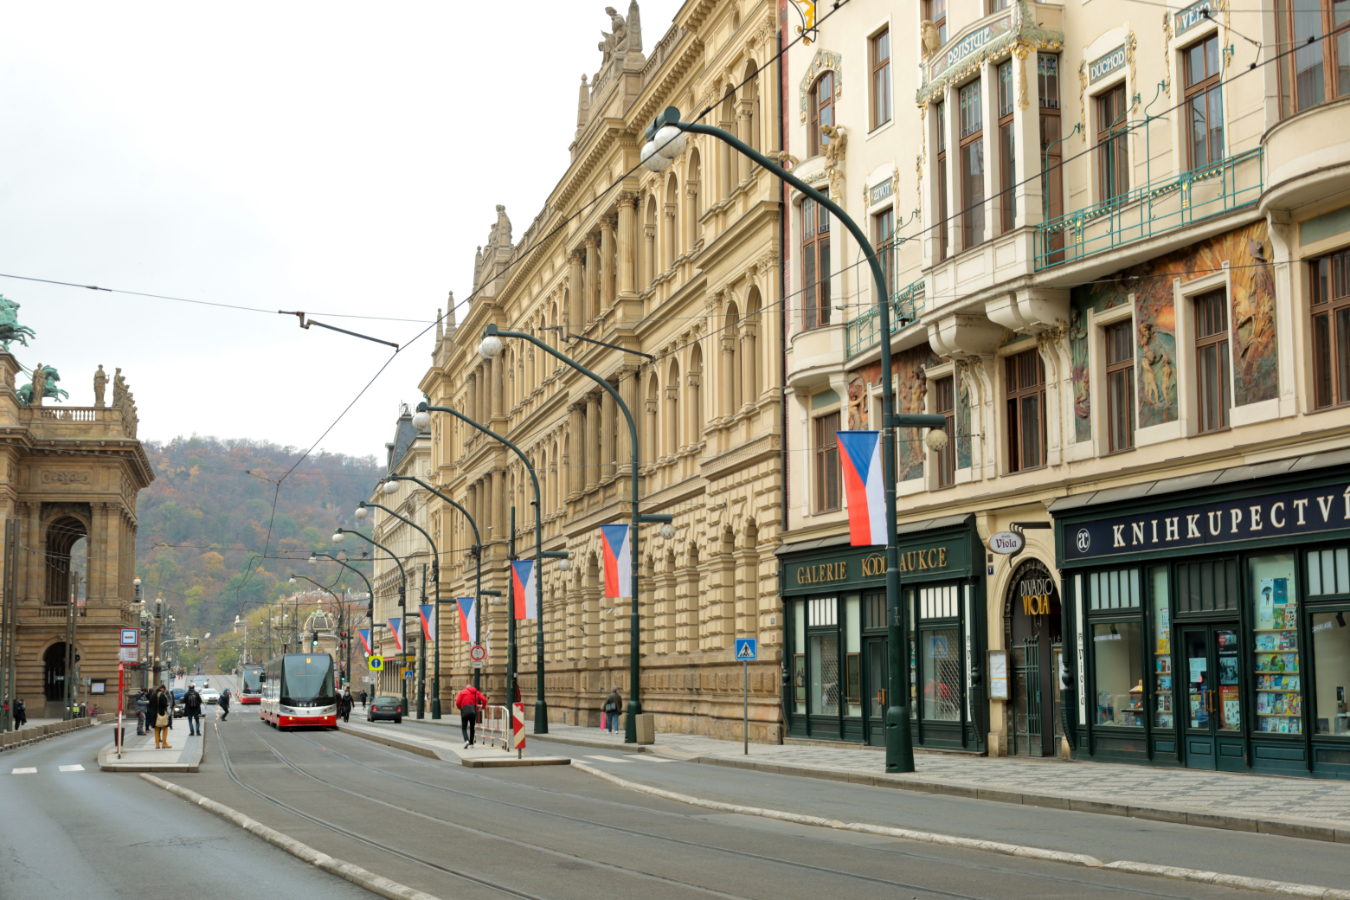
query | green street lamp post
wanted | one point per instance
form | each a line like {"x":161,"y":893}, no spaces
{"x":666,"y":140}
{"x":421,"y":421}
{"x":489,"y":349}
{"x":436,"y":592}
{"x":477,"y":551}
{"x":338,"y":537}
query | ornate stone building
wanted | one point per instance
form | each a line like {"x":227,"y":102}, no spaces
{"x":680,"y":270}
{"x":69,"y":474}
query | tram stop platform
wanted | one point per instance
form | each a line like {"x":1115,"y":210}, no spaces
{"x":435,"y":747}
{"x":139,"y":753}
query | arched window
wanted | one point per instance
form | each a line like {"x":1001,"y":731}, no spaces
{"x":695,"y":394}
{"x":649,"y":244}
{"x":822,"y":110}
{"x":750,"y":99}
{"x":693,"y":184}
{"x":672,"y":229}
{"x":749,"y":350}
{"x":731,"y":362}
{"x":653,"y":452}
{"x":726,"y":157}
{"x":672,"y":424}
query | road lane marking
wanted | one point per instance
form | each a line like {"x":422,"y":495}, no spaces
{"x":608,"y":759}
{"x":30,"y":771}
{"x":656,"y":759}
{"x":71,"y":768}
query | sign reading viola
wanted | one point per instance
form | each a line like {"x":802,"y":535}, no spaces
{"x":1273,"y":515}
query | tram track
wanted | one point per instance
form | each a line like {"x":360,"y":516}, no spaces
{"x":705,"y":847}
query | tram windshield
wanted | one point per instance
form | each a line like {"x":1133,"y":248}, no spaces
{"x":308,"y":677}
{"x":252,"y":680}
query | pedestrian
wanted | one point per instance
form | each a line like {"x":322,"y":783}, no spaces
{"x":20,"y":713}
{"x":192,"y":708}
{"x":224,"y":702}
{"x":470,"y":701}
{"x":141,"y":704}
{"x":363,"y":698}
{"x":161,"y":709}
{"x":345,"y":705}
{"x":613,"y":703}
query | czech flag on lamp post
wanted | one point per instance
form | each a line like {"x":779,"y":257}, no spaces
{"x":522,"y":575}
{"x":467,"y":618}
{"x":428,"y":613}
{"x":365,"y":638}
{"x":864,"y":492}
{"x":618,"y":560}
{"x":396,"y":626}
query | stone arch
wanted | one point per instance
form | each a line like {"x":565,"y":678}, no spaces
{"x":653,"y":435}
{"x":726,"y":157}
{"x":64,"y":526}
{"x":672,"y":405}
{"x":731,"y":359}
{"x":695,"y":401}
{"x":693,"y":185}
{"x":649,"y":243}
{"x":754,"y":120}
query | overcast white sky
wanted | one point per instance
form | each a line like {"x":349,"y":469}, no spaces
{"x":329,"y":157}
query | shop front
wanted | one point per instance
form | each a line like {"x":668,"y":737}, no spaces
{"x":1208,"y":623}
{"x":834,"y":608}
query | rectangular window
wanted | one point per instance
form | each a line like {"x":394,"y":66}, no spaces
{"x":883,"y":232}
{"x":881,"y":78}
{"x":940,"y":120}
{"x":945,"y":396}
{"x":1026,"y":411}
{"x":828,"y":477}
{"x":822,"y":110}
{"x":1331,"y":329}
{"x":1119,"y":674}
{"x":997,"y":6}
{"x":935,"y":11}
{"x":1007,"y":149}
{"x":1210,"y":585}
{"x":1113,"y":178}
{"x":1052,"y":154}
{"x":1331,"y":672}
{"x":1328,"y":572}
{"x":815,"y":265}
{"x":1114,"y":589}
{"x":972,"y":164}
{"x":941,"y":674}
{"x":1211,"y":359}
{"x":1279,"y":688}
{"x":1319,"y":70}
{"x":1204,"y":106}
{"x":1119,"y":386}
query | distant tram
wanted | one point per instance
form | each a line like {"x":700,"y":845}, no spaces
{"x":298,"y":692}
{"x":250,"y":684}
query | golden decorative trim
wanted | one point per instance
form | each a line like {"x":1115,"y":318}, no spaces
{"x":1131,"y":44}
{"x":1021,"y":50}
{"x":1167,"y":51}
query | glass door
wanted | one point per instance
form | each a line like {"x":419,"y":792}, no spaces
{"x":1214,"y":729}
{"x":877,"y":693}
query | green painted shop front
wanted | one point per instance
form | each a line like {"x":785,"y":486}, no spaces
{"x":1206,"y":624}
{"x":834,"y":608}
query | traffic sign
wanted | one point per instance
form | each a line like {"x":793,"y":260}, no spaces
{"x":408,"y":674}
{"x":477,"y":653}
{"x":130,"y":637}
{"x":127,"y":654}
{"x":747,"y":649}
{"x":477,"y":664}
{"x":376,"y":663}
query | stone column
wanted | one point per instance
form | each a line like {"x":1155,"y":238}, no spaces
{"x":743,"y":132}
{"x":628,"y":391}
{"x":627,"y":230}
{"x":501,"y":521}
{"x":575,"y":459}
{"x":672,"y":240}
{"x":608,"y":456}
{"x":673,"y":423}
{"x":497,"y":400}
{"x":608,"y":278}
{"x":694,"y":427}
{"x":649,"y":256}
{"x":576,"y":298}
{"x":748,"y":362}
{"x":728,"y":375}
{"x":592,"y":281}
{"x":592,"y":441}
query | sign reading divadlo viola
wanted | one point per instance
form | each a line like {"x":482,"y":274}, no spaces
{"x":1005,"y":542}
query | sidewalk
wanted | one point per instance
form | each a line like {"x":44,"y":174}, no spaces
{"x":1299,"y":807}
{"x":139,"y":753}
{"x":448,"y":748}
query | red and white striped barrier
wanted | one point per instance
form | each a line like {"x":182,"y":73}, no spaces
{"x":518,"y":728}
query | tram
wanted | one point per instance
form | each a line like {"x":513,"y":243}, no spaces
{"x":250,"y":684}
{"x":298,"y":691}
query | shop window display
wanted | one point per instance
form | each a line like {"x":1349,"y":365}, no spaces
{"x":1119,"y":674}
{"x":853,"y":654}
{"x":1279,"y":694}
{"x":941,"y":674}
{"x":1163,"y":712}
{"x":1331,"y":672}
{"x":825,"y":686}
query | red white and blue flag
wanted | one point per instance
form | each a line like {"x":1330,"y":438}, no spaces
{"x":618,"y":560}
{"x":396,"y":626}
{"x":365,"y":638}
{"x":864,"y":492}
{"x":522,"y":575}
{"x":468,"y":618}
{"x":428,"y":613}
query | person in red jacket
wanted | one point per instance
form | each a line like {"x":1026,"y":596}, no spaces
{"x":470,"y":701}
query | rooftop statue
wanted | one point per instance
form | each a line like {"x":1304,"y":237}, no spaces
{"x":43,"y":385}
{"x":10,"y":329}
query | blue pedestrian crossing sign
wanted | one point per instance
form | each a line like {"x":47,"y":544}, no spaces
{"x":376,"y":664}
{"x":747,"y":649}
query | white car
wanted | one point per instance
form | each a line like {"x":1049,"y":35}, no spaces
{"x":210,"y":696}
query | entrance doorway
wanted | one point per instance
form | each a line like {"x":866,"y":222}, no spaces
{"x":1215,"y":732}
{"x":878,"y":672}
{"x":1032,"y":630}
{"x":54,"y":672}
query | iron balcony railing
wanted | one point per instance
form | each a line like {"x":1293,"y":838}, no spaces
{"x":1157,"y":207}
{"x":906,"y":308}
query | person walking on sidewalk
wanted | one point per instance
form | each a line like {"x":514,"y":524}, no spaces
{"x":142,"y":705}
{"x":470,"y":701}
{"x":224,"y":702}
{"x":161,"y":709}
{"x":192,"y":708}
{"x":613,"y":703}
{"x":363,"y":699}
{"x":345,"y":705}
{"x":20,"y":713}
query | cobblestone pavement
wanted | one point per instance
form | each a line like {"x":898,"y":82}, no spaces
{"x":1230,"y":794}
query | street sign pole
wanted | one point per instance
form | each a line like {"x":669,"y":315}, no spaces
{"x":747,"y":649}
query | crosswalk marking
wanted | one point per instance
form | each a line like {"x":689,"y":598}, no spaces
{"x":656,"y":759}
{"x":71,"y":768}
{"x":614,"y":759}
{"x":31,"y":771}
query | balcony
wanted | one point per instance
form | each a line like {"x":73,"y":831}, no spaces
{"x":1153,"y":209}
{"x":906,"y":308}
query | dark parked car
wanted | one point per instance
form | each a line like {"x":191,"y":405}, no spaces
{"x":178,"y":695}
{"x":385,"y":708}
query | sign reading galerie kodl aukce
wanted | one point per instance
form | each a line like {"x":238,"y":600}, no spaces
{"x":1266,"y":516}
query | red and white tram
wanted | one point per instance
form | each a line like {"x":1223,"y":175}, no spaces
{"x":250,"y":684}
{"x":298,"y":691}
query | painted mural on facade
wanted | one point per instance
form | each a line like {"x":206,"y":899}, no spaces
{"x":1252,"y":323}
{"x":911,"y":387}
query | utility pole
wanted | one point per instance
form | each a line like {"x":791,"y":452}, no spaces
{"x":157,"y":670}
{"x":68,"y":684}
{"x":10,"y":632}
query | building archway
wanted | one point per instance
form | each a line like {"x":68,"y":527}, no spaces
{"x":1033,"y":634}
{"x":54,"y":671}
{"x":62,"y":534}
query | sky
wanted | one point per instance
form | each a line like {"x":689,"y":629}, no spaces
{"x":337,"y":158}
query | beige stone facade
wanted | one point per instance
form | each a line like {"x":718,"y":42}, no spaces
{"x":70,"y":473}
{"x":679,"y":269}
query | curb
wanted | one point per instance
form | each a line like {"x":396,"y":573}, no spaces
{"x":1285,"y":888}
{"x":471,"y":762}
{"x":376,"y":884}
{"x":25,"y":736}
{"x":394,"y":742}
{"x":1296,"y":828}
